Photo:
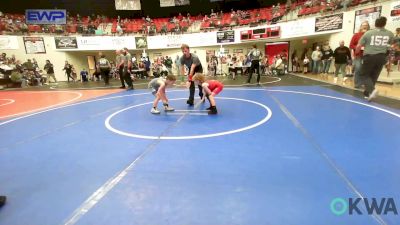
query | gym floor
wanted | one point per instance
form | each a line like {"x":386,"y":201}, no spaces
{"x":278,"y":153}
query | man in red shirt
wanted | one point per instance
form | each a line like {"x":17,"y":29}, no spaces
{"x":357,"y":57}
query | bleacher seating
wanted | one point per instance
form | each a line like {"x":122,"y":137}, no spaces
{"x":252,"y":17}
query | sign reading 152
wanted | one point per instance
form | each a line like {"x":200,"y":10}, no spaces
{"x":46,"y":16}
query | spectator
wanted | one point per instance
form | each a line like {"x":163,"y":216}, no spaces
{"x":134,"y":62}
{"x":295,"y":62}
{"x":316,"y":60}
{"x":159,"y":69}
{"x":205,"y":18}
{"x":397,"y":48}
{"x":120,"y":31}
{"x":35,"y":64}
{"x":220,"y":14}
{"x":213,"y":15}
{"x":189,"y":20}
{"x":288,"y":5}
{"x":84,"y":75}
{"x":179,"y":17}
{"x":37,"y":77}
{"x":178,"y":29}
{"x":148,"y":20}
{"x":306,"y":61}
{"x":152,"y":29}
{"x":211,"y":67}
{"x":178,"y":65}
{"x":342,"y":55}
{"x":19,"y":67}
{"x":59,"y":29}
{"x":345,"y":4}
{"x":164,"y":29}
{"x":24,"y":28}
{"x":3,"y":57}
{"x":168,"y":63}
{"x":12,"y":60}
{"x":174,"y":20}
{"x":28,"y":65}
{"x":357,"y":57}
{"x":267,"y":70}
{"x":49,"y":68}
{"x":279,"y":66}
{"x":68,"y":71}
{"x":309,"y":53}
{"x":327,"y":56}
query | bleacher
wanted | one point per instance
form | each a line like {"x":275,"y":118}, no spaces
{"x":109,"y":26}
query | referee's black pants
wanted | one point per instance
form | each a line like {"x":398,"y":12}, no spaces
{"x":255,"y":65}
{"x":121,"y":75}
{"x":192,"y":90}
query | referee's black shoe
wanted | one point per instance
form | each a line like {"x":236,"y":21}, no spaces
{"x":190,"y":102}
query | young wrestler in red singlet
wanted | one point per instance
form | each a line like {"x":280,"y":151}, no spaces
{"x":211,"y":88}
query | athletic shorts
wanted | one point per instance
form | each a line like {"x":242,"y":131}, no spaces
{"x":154,"y":91}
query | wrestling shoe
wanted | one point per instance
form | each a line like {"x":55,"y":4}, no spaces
{"x":155,"y":111}
{"x":168,"y":109}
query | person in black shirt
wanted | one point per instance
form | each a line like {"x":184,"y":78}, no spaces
{"x":68,"y":71}
{"x":49,"y":68}
{"x":327,"y":56}
{"x":342,"y":54}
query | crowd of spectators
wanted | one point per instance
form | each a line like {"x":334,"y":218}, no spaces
{"x":28,"y":73}
{"x":342,"y":62}
{"x":100,"y":24}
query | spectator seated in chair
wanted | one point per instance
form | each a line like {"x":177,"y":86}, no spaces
{"x":84,"y":75}
{"x":159,"y":69}
{"x":279,"y":67}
